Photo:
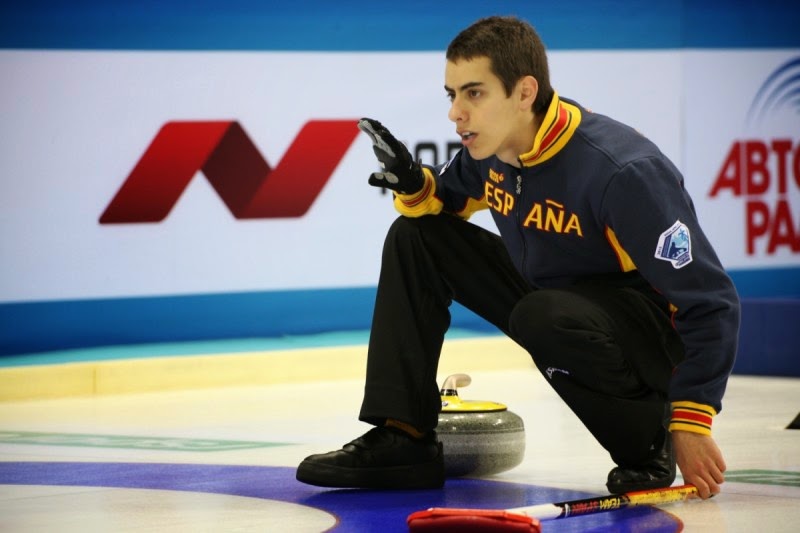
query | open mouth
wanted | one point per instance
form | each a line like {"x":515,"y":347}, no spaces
{"x":467,"y":138}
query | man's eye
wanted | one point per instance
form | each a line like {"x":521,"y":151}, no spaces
{"x":474,"y":93}
{"x":450,"y":96}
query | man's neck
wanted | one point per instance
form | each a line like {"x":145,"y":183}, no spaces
{"x":526,"y":143}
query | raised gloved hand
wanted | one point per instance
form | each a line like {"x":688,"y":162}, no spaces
{"x":400,"y":172}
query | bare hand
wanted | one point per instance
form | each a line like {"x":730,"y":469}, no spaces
{"x":700,"y":461}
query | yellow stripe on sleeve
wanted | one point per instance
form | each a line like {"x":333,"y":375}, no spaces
{"x":691,"y":416}
{"x":421,"y":203}
{"x":473,"y":206}
{"x":625,"y":261}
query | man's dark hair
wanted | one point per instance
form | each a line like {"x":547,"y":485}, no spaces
{"x":514,"y":50}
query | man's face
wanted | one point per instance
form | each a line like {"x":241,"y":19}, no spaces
{"x":488,"y":121}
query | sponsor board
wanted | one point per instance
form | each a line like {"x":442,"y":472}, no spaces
{"x":90,"y":212}
{"x":743,"y":154}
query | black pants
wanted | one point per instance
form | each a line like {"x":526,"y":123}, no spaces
{"x":607,"y":350}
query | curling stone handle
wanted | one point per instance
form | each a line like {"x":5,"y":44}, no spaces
{"x":453,"y":382}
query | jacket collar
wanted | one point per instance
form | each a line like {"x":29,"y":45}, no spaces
{"x":560,"y":122}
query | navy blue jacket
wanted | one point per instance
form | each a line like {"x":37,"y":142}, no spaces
{"x":594,"y":198}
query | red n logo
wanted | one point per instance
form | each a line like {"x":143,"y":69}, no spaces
{"x":234,"y":166}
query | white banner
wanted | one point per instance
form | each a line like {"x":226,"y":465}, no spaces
{"x":742,"y":153}
{"x":77,"y":123}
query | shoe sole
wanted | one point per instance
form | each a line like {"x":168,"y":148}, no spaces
{"x":622,"y":488}
{"x":418,"y":476}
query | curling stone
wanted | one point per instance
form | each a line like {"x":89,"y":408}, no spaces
{"x":479,"y":437}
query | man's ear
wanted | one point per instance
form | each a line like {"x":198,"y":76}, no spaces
{"x":528,"y":89}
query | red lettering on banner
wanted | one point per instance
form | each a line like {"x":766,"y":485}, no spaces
{"x":235,"y":168}
{"x":757,"y":223}
{"x":756,"y":172}
{"x":782,"y":149}
{"x":777,"y":225}
{"x":728,"y":176}
{"x":753,"y":168}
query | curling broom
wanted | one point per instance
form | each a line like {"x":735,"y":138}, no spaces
{"x":526,"y":519}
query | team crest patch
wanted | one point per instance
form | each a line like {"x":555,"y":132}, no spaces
{"x":675,"y":245}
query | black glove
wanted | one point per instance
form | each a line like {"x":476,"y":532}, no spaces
{"x":400,"y":172}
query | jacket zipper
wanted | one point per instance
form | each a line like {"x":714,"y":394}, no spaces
{"x":519,"y":224}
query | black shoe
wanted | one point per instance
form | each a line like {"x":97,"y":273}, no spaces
{"x":657,"y":473}
{"x":382,"y":458}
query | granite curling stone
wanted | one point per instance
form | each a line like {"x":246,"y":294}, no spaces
{"x":479,"y":437}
